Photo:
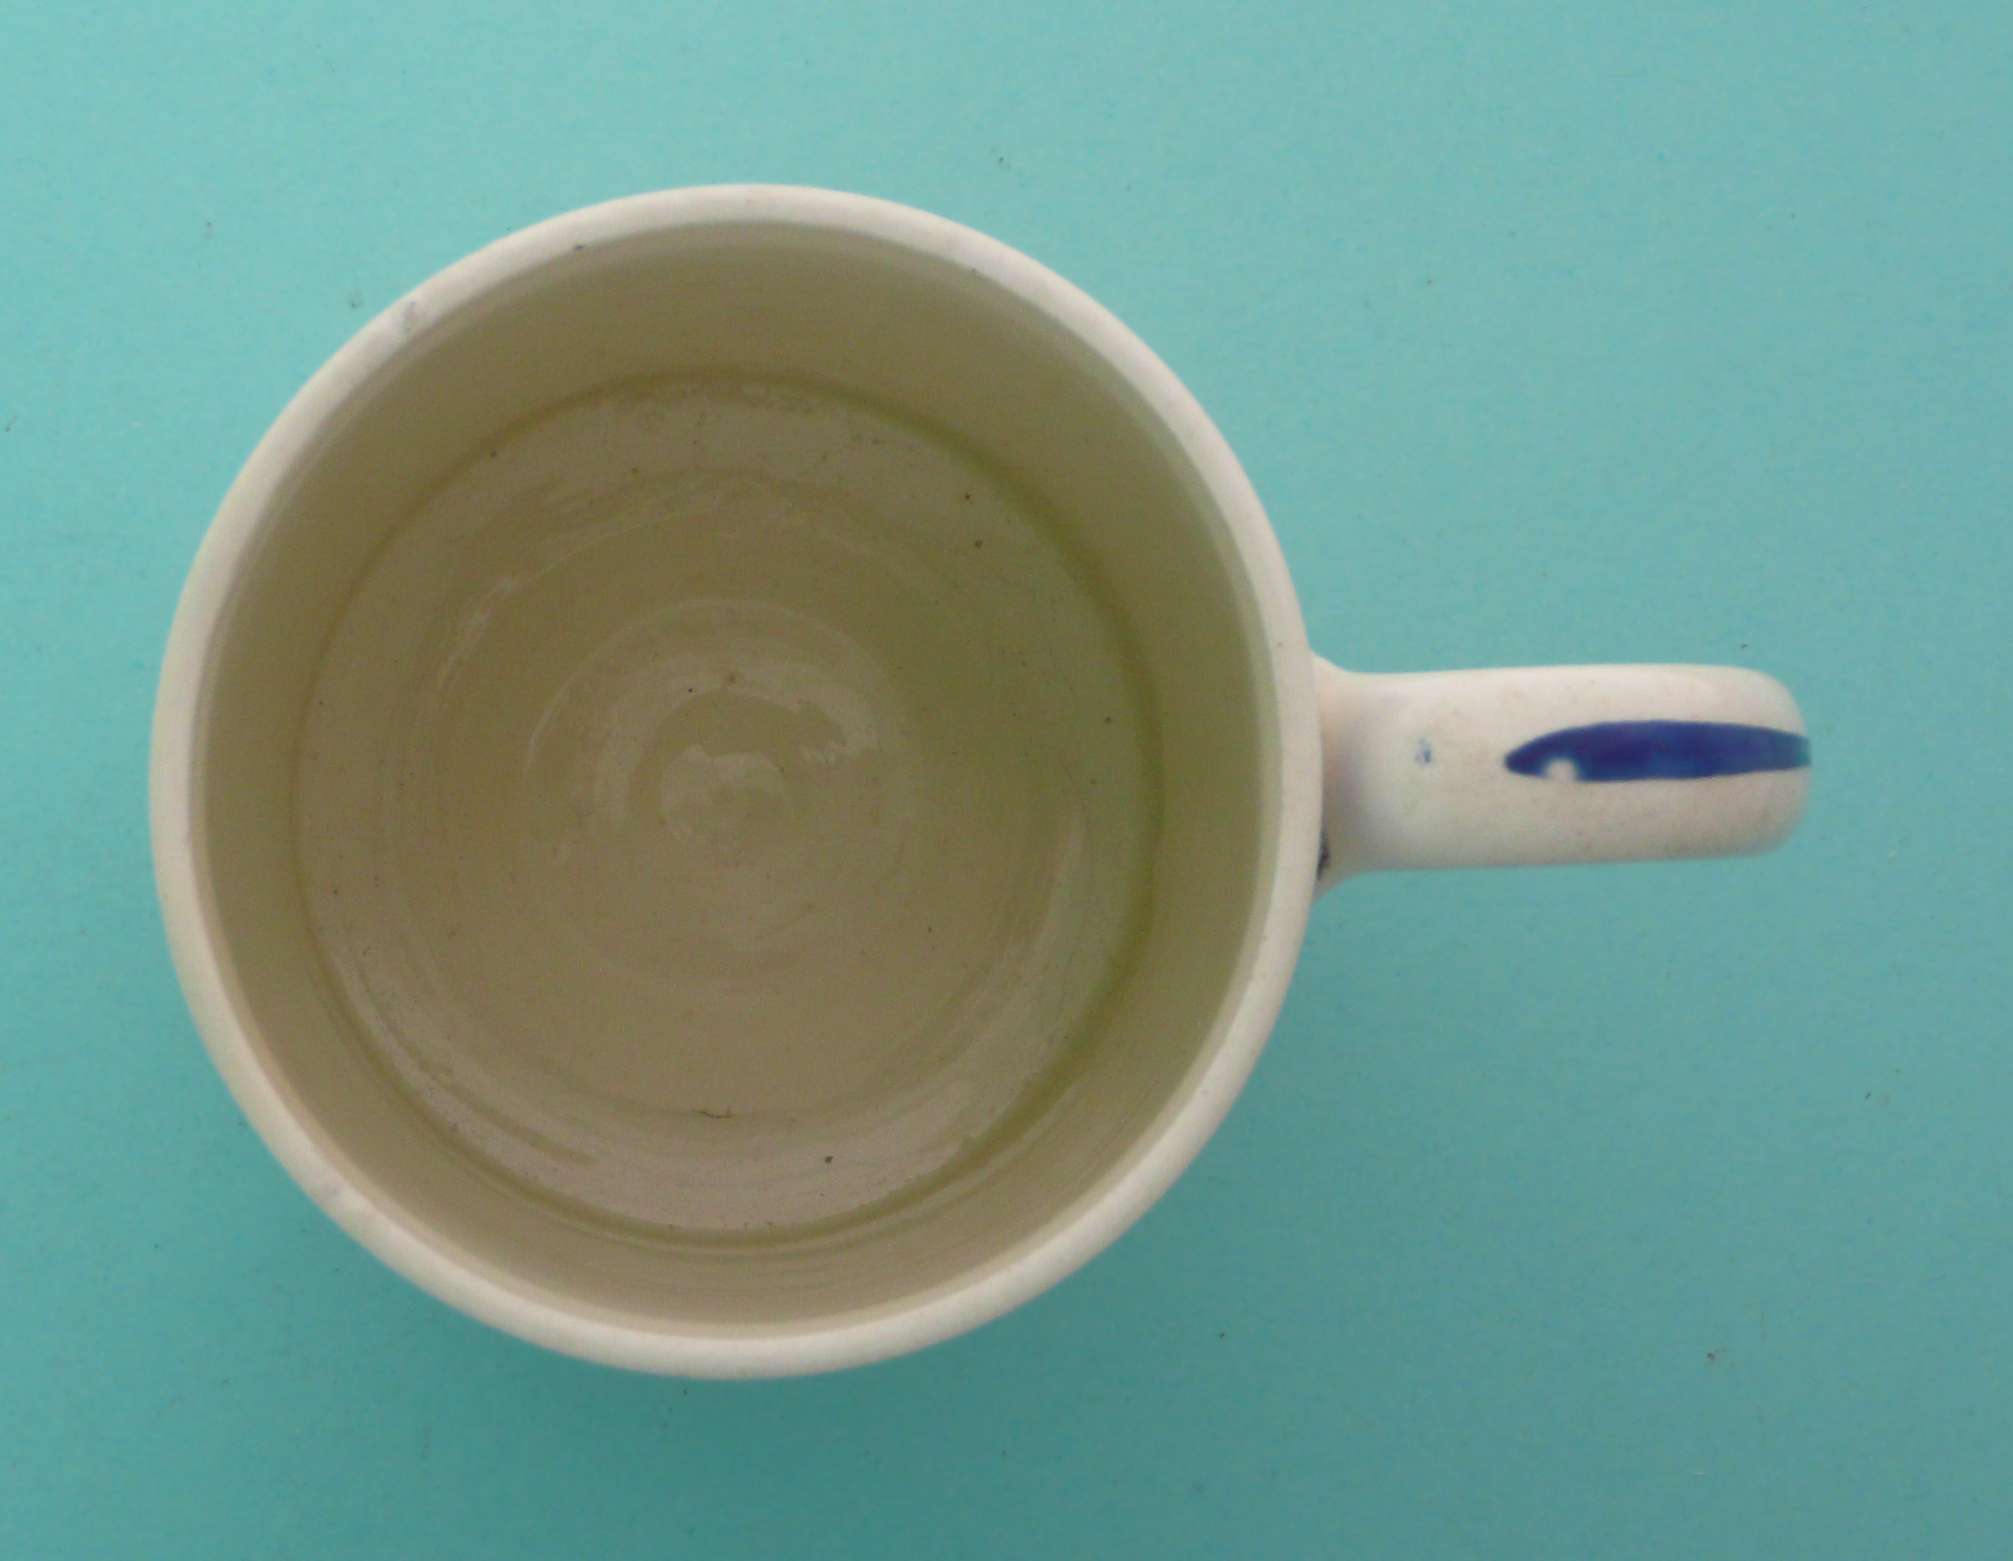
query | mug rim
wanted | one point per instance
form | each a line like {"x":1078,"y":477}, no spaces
{"x":478,"y":1286}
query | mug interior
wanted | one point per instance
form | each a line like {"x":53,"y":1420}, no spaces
{"x":737,"y":783}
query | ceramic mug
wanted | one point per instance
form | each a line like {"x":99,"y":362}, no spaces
{"x":738,"y":780}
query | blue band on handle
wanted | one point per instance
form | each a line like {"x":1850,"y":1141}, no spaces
{"x":1662,"y":750}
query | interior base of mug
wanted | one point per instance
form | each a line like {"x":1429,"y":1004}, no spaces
{"x":725,"y":807}
{"x":579,"y":1059}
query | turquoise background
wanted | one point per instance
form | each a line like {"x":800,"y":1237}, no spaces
{"x":1648,"y":1212}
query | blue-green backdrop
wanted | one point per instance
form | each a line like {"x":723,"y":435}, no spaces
{"x":1628,"y":1213}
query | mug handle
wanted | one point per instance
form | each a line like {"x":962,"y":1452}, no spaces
{"x":1521,"y":766}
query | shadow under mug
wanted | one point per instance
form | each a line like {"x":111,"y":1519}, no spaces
{"x":738,"y":780}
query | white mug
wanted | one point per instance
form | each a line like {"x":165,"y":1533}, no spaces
{"x":738,"y":781}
